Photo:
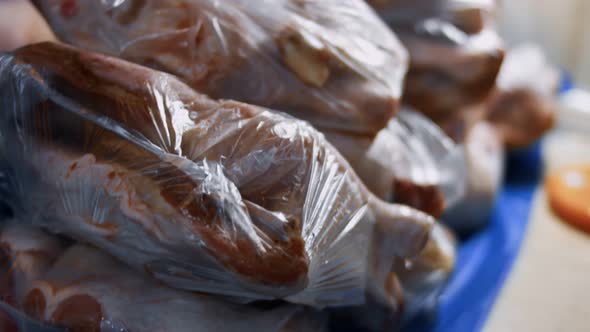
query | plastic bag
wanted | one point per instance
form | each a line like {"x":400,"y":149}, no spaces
{"x":470,"y":16}
{"x":484,"y":154}
{"x":331,"y":62}
{"x":218,"y":197}
{"x":411,"y":161}
{"x":83,"y":289}
{"x":97,"y":26}
{"x":424,"y":278}
{"x":415,"y":285}
{"x":26,"y":254}
{"x":455,"y":55}
{"x":523,"y":106}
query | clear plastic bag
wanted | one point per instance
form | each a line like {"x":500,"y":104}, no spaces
{"x":219,"y":197}
{"x":484,"y":153}
{"x":415,"y":285}
{"x":411,"y":161}
{"x":83,"y":289}
{"x":424,"y":278}
{"x":523,"y":107}
{"x":376,"y":59}
{"x":331,"y":62}
{"x":470,"y":16}
{"x":26,"y":254}
{"x":455,"y":54}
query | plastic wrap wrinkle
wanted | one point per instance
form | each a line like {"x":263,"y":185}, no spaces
{"x":210,"y":196}
{"x":333,"y":63}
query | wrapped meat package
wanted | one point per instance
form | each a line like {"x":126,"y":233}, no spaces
{"x":213,"y":196}
{"x":484,"y":154}
{"x":523,"y":106}
{"x":411,"y":161}
{"x":83,"y":289}
{"x":424,"y":278}
{"x":331,"y":62}
{"x":455,"y":55}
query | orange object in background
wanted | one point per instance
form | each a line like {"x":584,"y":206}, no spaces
{"x":569,"y":195}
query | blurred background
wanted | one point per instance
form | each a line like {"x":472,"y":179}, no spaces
{"x":559,"y":26}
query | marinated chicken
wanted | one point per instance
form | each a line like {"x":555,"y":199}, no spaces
{"x":484,"y":153}
{"x":83,"y":289}
{"x":411,"y":162}
{"x":26,"y":254}
{"x":340,"y":72}
{"x":455,"y":55}
{"x":423,"y":279}
{"x":332,"y":62}
{"x":414,"y":288}
{"x":88,"y":291}
{"x":522,"y":108}
{"x":212,"y":196}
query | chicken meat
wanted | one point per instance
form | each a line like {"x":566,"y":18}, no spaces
{"x":455,"y":55}
{"x":342,"y":73}
{"x":212,"y":196}
{"x":80,"y":288}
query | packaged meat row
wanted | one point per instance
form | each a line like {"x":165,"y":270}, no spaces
{"x":261,"y":161}
{"x":458,"y":77}
{"x":235,"y":50}
{"x":219,"y":197}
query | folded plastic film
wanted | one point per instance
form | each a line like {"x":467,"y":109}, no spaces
{"x":84,"y":289}
{"x":218,"y":197}
{"x":333,"y":63}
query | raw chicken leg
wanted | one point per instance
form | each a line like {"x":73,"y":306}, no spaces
{"x":212,"y":196}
